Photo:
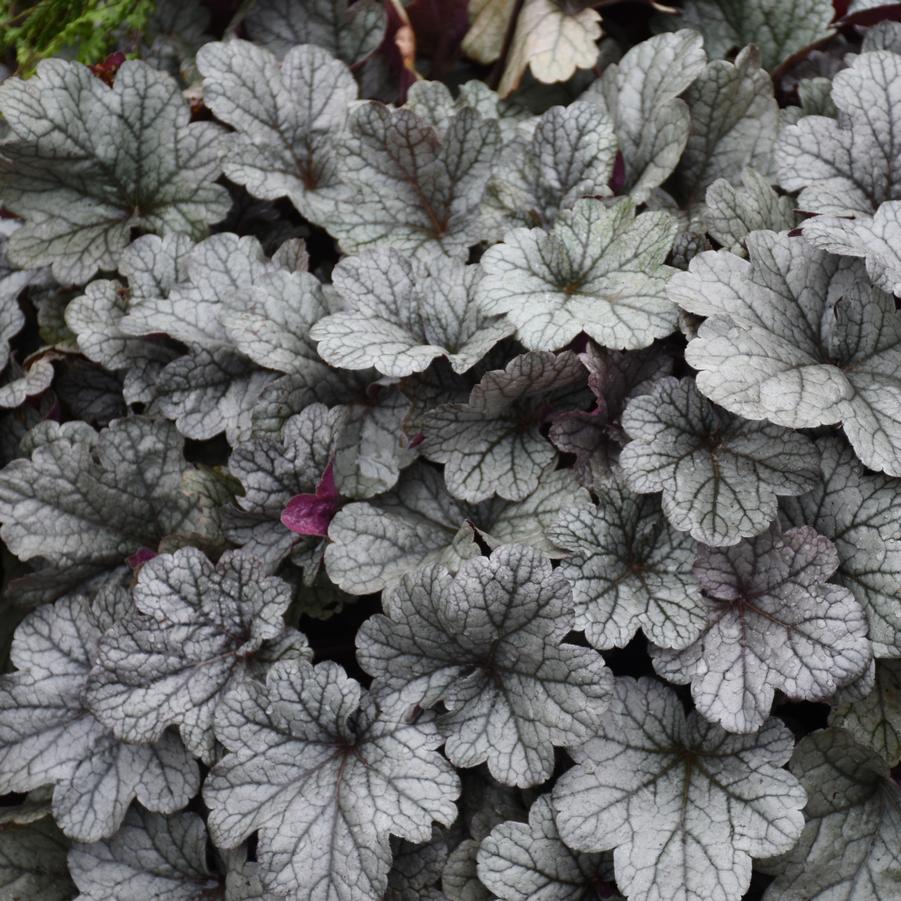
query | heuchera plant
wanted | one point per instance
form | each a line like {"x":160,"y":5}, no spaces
{"x":451,"y":451}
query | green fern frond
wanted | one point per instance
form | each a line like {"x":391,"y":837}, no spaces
{"x":84,"y":29}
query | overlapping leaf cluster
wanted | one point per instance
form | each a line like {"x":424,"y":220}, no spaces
{"x":379,"y":455}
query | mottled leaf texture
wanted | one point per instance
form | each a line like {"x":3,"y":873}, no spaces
{"x":350,"y":32}
{"x":372,"y":545}
{"x":286,"y":115}
{"x":849,"y":167}
{"x":641,"y":94}
{"x":529,"y":862}
{"x":732,"y":213}
{"x":88,"y":499}
{"x":492,"y":444}
{"x":774,"y":623}
{"x":568,"y":154}
{"x":199,"y":631}
{"x":33,"y":862}
{"x":629,"y":569}
{"x":373,"y":446}
{"x":684,"y":804}
{"x":152,"y":266}
{"x":875,"y":719}
{"x":409,"y":185}
{"x":720,"y":475}
{"x":858,"y":512}
{"x":236,"y":311}
{"x":800,"y":338}
{"x":599,"y":271}
{"x":87,"y":163}
{"x":876,"y":238}
{"x":151,"y":856}
{"x":417,"y":869}
{"x":399,"y":315}
{"x":778,"y":29}
{"x":849,"y":848}
{"x":48,"y":735}
{"x":12,"y":283}
{"x":734,"y":124}
{"x":487,"y":643}
{"x":324,"y":775}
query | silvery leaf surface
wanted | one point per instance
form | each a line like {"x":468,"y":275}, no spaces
{"x":774,"y":623}
{"x":349,"y":31}
{"x":151,"y":856}
{"x":86,"y":163}
{"x":599,"y":271}
{"x":487,"y":642}
{"x":800,"y":338}
{"x":684,"y":805}
{"x":198,"y":632}
{"x":287,"y":115}
{"x":397,"y":316}
{"x":720,"y":475}
{"x":857,"y":511}
{"x":492,"y":444}
{"x":48,"y":735}
{"x":629,"y":569}
{"x":311,"y":749}
{"x":849,"y":845}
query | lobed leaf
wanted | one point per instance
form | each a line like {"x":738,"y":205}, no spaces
{"x":310,"y":750}
{"x":797,"y":337}
{"x":774,"y":623}
{"x":599,"y":271}
{"x":684,"y":804}
{"x":87,"y":163}
{"x":719,"y":475}
{"x":487,"y":644}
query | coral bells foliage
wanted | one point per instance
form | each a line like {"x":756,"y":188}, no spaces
{"x":454,"y":459}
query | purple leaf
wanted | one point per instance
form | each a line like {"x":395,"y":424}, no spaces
{"x":140,"y":557}
{"x":310,"y":514}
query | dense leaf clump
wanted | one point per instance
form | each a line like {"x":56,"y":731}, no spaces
{"x":450,"y":451}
